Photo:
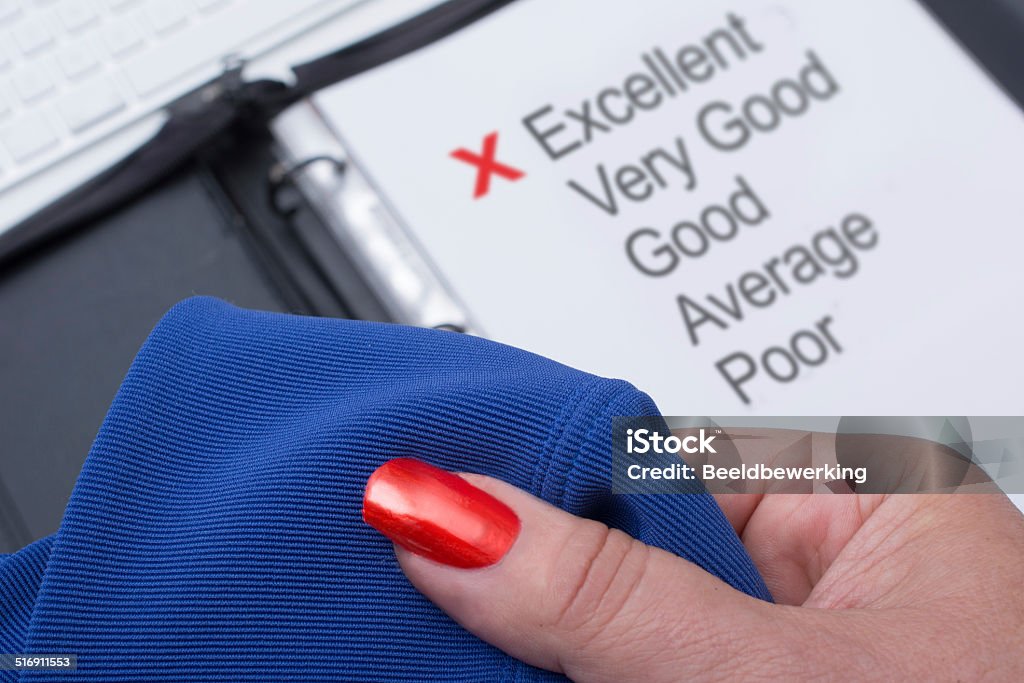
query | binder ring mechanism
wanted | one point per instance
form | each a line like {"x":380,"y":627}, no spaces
{"x":280,"y":176}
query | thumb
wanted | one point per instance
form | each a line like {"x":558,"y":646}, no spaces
{"x":559,"y":592}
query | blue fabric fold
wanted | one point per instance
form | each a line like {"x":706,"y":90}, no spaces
{"x":215,"y":530}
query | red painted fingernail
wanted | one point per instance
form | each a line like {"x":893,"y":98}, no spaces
{"x":438,"y":515}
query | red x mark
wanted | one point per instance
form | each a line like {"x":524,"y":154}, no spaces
{"x":486,"y":165}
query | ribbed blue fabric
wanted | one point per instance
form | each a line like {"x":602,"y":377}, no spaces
{"x":215,"y":534}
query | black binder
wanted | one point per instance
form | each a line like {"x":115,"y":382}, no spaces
{"x":204,"y":208}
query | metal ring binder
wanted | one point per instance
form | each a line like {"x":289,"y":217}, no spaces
{"x":386,"y":255}
{"x":280,"y":176}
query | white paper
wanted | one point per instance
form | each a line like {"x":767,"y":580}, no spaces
{"x":918,"y":140}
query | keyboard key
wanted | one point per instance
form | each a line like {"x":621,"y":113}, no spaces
{"x":76,"y":14}
{"x":32,"y":35}
{"x":211,"y":5}
{"x":77,"y":60}
{"x":166,"y":16}
{"x":28,"y":137}
{"x":5,"y":59}
{"x":5,"y":104}
{"x":120,"y":37}
{"x":9,"y":9}
{"x":218,"y":34}
{"x":117,"y":5}
{"x":89,"y":105}
{"x":32,"y":82}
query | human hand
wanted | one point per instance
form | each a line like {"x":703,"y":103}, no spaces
{"x":867,"y":586}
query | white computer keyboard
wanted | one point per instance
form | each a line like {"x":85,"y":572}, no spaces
{"x":73,"y":71}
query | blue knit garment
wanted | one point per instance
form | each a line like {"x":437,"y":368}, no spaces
{"x":215,"y":530}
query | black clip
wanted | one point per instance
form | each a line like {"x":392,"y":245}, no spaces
{"x":227,"y":86}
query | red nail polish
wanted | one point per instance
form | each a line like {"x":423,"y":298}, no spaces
{"x":438,"y":515}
